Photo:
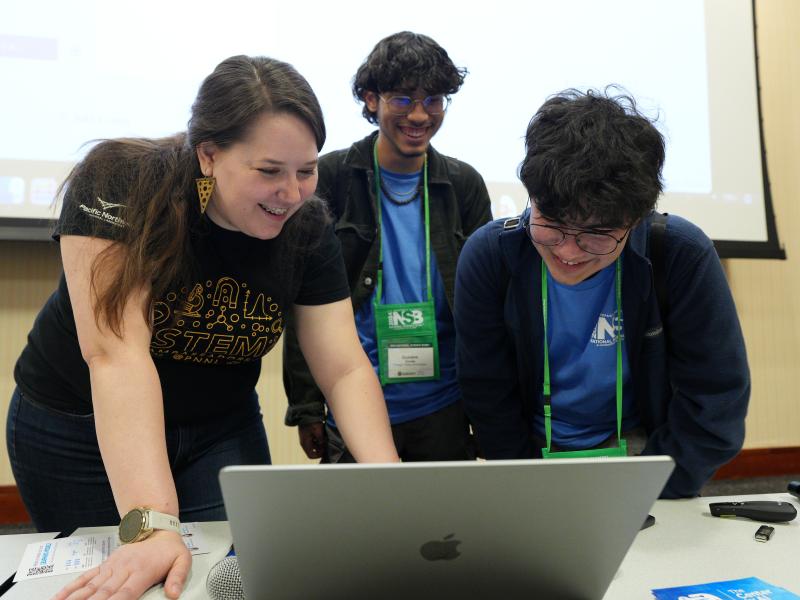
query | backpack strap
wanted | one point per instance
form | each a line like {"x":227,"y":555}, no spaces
{"x":658,"y":228}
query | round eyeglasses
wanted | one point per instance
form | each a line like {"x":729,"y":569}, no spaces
{"x":589,"y":241}
{"x":403,"y":105}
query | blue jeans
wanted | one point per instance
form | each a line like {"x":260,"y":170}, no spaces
{"x":60,"y":474}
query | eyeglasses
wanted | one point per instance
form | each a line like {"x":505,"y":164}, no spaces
{"x":588,"y":241}
{"x":403,"y":105}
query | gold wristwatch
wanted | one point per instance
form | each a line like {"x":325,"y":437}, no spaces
{"x":140,"y":523}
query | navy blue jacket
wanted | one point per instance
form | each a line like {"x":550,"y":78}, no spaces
{"x":690,"y":376}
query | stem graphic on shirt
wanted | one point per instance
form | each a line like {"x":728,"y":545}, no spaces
{"x":211,"y":326}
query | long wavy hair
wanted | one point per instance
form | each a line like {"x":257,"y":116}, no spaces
{"x":157,"y":176}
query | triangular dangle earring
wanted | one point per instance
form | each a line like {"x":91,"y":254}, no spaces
{"x":205,"y":187}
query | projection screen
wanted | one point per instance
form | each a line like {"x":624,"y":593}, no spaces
{"x":83,"y":70}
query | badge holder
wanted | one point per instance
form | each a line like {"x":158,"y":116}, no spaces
{"x":408,"y":348}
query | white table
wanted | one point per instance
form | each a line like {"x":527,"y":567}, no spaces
{"x":688,"y":546}
{"x":685,"y":546}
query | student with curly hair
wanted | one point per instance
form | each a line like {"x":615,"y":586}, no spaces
{"x":402,"y":213}
{"x":563,"y":350}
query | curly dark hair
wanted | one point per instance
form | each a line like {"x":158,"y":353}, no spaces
{"x":406,"y":61}
{"x":593,"y":158}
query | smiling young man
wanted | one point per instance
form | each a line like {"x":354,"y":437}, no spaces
{"x":563,"y":350}
{"x":402,"y":213}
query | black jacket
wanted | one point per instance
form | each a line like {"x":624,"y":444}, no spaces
{"x":459,"y":204}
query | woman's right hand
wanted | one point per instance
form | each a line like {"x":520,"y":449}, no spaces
{"x":329,"y":341}
{"x":133,"y":568}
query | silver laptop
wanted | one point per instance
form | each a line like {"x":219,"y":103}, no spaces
{"x":497,"y":529}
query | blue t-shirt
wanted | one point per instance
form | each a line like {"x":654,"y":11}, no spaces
{"x":404,"y":281}
{"x":583,"y":363}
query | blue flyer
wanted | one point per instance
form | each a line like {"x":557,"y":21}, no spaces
{"x":751,"y":588}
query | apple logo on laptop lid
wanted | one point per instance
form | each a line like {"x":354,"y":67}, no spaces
{"x":444,"y":549}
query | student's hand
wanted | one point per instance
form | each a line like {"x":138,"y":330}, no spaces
{"x":133,"y":568}
{"x":312,"y":438}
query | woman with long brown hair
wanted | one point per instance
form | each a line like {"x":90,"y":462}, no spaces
{"x":183,"y":257}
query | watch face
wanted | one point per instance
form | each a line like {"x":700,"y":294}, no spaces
{"x":131,"y":525}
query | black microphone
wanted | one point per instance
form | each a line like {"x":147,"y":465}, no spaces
{"x":224,"y":582}
{"x":794,"y":488}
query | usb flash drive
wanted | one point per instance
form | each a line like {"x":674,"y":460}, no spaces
{"x":764,"y":533}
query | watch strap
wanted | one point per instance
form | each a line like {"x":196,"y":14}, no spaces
{"x":157,"y":520}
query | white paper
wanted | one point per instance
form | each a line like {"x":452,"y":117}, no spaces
{"x":65,"y":555}
{"x":410,"y":360}
{"x":194,"y":539}
{"x":79,"y":553}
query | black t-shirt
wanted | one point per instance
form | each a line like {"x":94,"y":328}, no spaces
{"x":208,"y":340}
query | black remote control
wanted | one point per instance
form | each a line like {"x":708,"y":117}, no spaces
{"x":770,"y":511}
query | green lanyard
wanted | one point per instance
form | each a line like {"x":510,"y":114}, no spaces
{"x":405,"y":333}
{"x":379,"y":286}
{"x":621,"y":450}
